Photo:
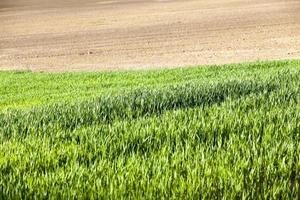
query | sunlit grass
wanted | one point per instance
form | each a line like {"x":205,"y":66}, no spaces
{"x":228,"y":132}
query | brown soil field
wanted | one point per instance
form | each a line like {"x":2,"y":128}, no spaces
{"x":89,"y":35}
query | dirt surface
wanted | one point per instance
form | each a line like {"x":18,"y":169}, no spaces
{"x":89,"y":35}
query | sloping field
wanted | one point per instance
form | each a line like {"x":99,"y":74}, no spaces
{"x":92,"y":35}
{"x":229,"y":132}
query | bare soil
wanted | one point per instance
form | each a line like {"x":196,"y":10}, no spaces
{"x":89,"y":35}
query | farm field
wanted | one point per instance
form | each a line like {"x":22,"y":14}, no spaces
{"x":208,"y":132}
{"x":93,"y":35}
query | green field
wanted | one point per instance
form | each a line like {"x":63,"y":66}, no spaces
{"x":213,"y":132}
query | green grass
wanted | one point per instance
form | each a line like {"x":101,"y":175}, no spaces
{"x":229,"y":132}
{"x":27,"y":89}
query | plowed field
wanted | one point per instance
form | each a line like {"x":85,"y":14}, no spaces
{"x":120,"y":35}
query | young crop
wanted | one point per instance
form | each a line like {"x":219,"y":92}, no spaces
{"x":230,"y":138}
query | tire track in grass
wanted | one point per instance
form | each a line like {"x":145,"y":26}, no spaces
{"x":139,"y":103}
